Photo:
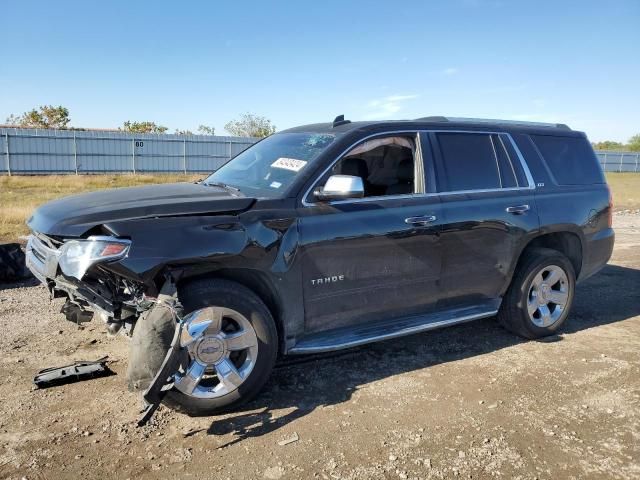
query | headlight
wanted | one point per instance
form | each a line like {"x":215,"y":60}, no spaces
{"x":76,"y":256}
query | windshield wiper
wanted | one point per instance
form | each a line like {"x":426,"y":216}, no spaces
{"x":222,"y":185}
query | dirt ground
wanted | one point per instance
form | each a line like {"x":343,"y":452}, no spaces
{"x":471,"y":401}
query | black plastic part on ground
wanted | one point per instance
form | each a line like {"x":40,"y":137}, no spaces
{"x":80,"y":370}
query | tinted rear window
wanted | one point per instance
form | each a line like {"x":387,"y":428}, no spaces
{"x":469,"y":162}
{"x":570,"y":159}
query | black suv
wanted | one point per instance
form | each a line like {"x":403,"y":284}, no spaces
{"x":329,"y":236}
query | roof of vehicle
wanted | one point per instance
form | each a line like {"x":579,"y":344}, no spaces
{"x":438,"y":122}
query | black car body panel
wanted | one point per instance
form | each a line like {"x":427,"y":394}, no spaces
{"x":324,"y":266}
{"x":73,"y":216}
{"x":378,"y":265}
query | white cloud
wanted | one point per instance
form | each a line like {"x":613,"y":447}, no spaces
{"x":387,"y":106}
{"x":450,"y":71}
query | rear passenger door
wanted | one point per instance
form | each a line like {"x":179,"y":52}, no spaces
{"x":488,"y":208}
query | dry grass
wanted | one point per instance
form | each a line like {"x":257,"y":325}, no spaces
{"x":20,"y":195}
{"x":626,"y":190}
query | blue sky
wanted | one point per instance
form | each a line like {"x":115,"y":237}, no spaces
{"x":182,"y":64}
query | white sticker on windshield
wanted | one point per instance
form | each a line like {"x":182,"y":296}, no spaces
{"x":275,"y":185}
{"x":289,"y":164}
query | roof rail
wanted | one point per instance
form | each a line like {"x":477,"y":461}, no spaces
{"x":495,"y":121}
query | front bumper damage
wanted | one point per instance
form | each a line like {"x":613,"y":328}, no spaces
{"x":155,"y":347}
{"x":100,"y":292}
{"x":42,"y":259}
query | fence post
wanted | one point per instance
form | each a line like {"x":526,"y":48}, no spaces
{"x":637,"y":156}
{"x":184,"y":155}
{"x":620,"y":167}
{"x":6,"y":146}
{"x":133,"y":155}
{"x":75,"y":153}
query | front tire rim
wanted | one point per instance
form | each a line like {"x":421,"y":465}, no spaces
{"x":548,"y":296}
{"x":221,"y":347}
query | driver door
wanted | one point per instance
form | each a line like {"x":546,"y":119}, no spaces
{"x":371,"y":258}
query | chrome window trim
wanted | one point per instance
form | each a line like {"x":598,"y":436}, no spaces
{"x":416,"y":170}
{"x":531,"y":185}
{"x":525,"y":166}
{"x":506,"y":151}
{"x":495,"y":157}
{"x":420,"y":177}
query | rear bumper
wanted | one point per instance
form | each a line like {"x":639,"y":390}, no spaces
{"x":599,"y":248}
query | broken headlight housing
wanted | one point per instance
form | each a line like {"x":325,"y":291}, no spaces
{"x":76,"y":256}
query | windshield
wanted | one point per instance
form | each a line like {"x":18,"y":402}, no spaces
{"x":267,"y":168}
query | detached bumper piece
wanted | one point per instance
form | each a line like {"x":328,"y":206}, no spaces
{"x":163,"y":381}
{"x":80,"y":370}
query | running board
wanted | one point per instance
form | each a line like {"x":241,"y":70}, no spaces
{"x":347,"y":337}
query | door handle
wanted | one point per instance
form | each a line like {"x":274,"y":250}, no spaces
{"x":518,"y":209}
{"x":422,"y":220}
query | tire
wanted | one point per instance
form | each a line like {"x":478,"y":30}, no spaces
{"x":526,"y":291}
{"x":231,"y":297}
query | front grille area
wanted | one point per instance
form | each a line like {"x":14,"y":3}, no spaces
{"x":41,"y":258}
{"x":53,"y":242}
{"x":38,"y":254}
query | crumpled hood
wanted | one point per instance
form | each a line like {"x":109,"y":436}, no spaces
{"x":72,"y":216}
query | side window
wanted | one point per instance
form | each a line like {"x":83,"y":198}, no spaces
{"x":476,"y":161}
{"x":570,"y":159}
{"x":468,"y":162}
{"x":514,"y":161}
{"x":507,"y":171}
{"x":385,"y":164}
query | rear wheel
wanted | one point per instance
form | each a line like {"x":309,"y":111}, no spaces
{"x":229,"y":347}
{"x":540,"y":295}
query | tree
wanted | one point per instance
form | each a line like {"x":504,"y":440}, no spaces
{"x":206,"y":130}
{"x":183,"y":132}
{"x":634,"y":143}
{"x":143,"y":127}
{"x":250,"y":125}
{"x":45,"y":116}
{"x":609,"y":145}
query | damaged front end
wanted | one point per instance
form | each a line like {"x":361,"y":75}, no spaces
{"x":75,"y":268}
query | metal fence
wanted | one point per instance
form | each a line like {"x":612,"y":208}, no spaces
{"x":30,"y":152}
{"x":33,"y":152}
{"x":619,"y":161}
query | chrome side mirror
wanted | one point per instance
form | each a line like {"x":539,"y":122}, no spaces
{"x":340,"y":187}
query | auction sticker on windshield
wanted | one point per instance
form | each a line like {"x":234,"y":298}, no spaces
{"x":289,"y":164}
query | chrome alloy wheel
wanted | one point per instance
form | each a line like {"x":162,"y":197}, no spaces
{"x":222,"y":349}
{"x":548,"y":296}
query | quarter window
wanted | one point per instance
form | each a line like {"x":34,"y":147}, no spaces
{"x":570,"y":159}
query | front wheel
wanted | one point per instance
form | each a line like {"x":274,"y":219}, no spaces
{"x":229,"y":346}
{"x":540,"y":295}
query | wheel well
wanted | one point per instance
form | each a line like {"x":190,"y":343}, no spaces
{"x":566,"y":243}
{"x":255,"y":281}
